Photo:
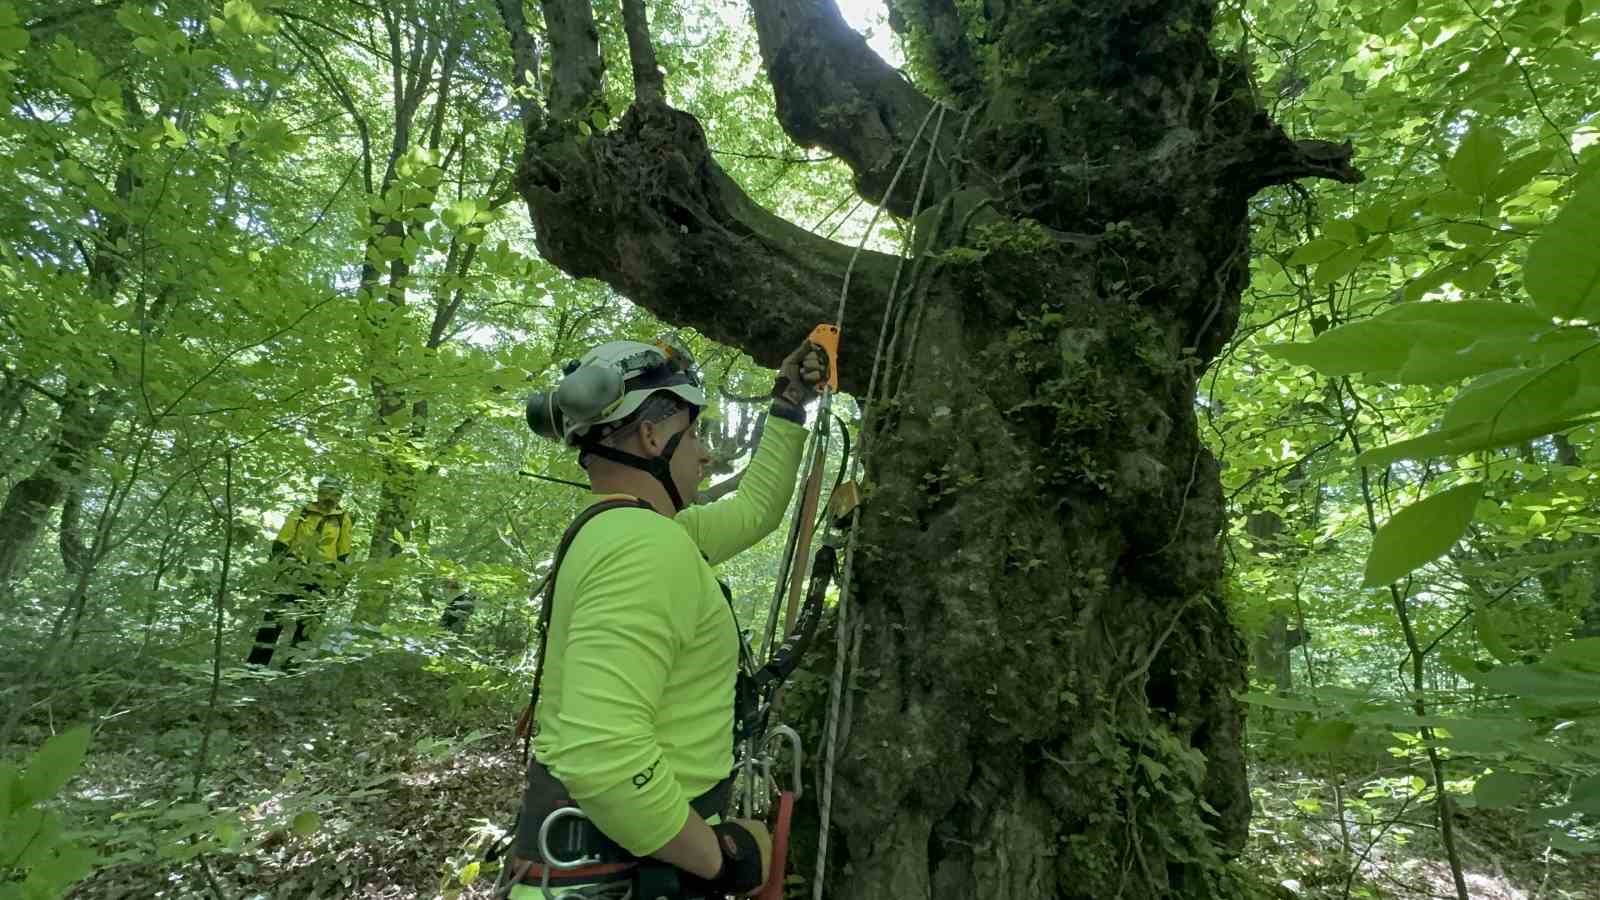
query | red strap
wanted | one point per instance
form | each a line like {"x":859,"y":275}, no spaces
{"x":535,"y":873}
{"x":773,"y":889}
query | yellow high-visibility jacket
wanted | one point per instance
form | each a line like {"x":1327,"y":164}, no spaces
{"x":315,"y":535}
{"x":636,"y":712}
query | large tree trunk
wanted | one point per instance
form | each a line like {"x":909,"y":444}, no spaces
{"x":1044,"y":700}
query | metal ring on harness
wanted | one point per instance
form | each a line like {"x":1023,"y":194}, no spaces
{"x":793,"y":738}
{"x":549,"y":858}
{"x":551,"y":863}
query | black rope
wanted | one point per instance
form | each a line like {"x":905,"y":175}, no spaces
{"x":576,"y":484}
{"x":838,"y":478}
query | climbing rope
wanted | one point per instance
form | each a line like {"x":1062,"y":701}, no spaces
{"x":841,"y":622}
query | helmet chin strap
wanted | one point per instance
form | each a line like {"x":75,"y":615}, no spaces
{"x":659,"y":467}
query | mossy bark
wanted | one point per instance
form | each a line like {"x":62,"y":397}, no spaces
{"x":1043,"y":705}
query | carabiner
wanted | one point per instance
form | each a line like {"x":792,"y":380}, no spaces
{"x":793,"y":738}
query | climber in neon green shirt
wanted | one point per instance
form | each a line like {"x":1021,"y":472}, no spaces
{"x":635,"y":706}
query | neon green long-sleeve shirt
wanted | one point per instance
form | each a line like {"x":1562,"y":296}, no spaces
{"x":636,"y":713}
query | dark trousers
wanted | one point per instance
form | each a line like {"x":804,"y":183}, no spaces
{"x":302,"y":606}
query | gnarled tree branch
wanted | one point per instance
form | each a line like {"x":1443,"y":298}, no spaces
{"x":1281,"y":160}
{"x":834,"y":92}
{"x":646,"y":209}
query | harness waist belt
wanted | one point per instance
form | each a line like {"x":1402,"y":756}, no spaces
{"x":576,"y":837}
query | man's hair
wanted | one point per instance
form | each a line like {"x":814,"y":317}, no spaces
{"x":656,"y":407}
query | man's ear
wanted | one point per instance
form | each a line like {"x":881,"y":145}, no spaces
{"x":648,"y":433}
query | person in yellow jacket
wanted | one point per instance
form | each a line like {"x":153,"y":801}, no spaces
{"x":635,"y":699}
{"x":311,"y":551}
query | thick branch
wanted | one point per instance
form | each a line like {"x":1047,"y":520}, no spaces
{"x":646,"y":209}
{"x":1283,"y":160}
{"x":524,"y":60}
{"x":834,"y":92}
{"x":647,"y":84}
{"x":576,"y":65}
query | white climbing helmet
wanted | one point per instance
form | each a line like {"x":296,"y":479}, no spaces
{"x":608,"y":384}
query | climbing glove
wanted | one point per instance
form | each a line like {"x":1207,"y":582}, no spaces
{"x":745,"y":848}
{"x":800,"y":374}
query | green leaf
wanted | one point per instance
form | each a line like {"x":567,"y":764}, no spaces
{"x":1342,"y":230}
{"x":1429,"y":281}
{"x":55,"y":763}
{"x":11,"y":796}
{"x":1562,"y":273}
{"x":245,"y":17}
{"x":1315,"y":251}
{"x":1574,"y":13}
{"x":1489,"y":636}
{"x":1420,"y":533}
{"x":1581,"y":655}
{"x":1463,"y":440}
{"x":172,"y":135}
{"x":1273,"y":701}
{"x":1426,"y":343}
{"x":1519,"y":172}
{"x":1338,"y":266}
{"x":13,"y":40}
{"x":1542,"y":681}
{"x":459,"y":213}
{"x":1470,"y":234}
{"x":1586,"y":795}
{"x":1476,"y":278}
{"x":1326,"y":737}
{"x":1451,"y":203}
{"x":1482,"y":736}
{"x":1348,"y":349}
{"x":1396,"y":15}
{"x":1375,"y":219}
{"x":306,"y":823}
{"x":75,"y":87}
{"x":1477,"y":161}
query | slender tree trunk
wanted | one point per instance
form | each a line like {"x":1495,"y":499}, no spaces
{"x":1043,"y":705}
{"x":1417,"y":658}
{"x":84,"y":422}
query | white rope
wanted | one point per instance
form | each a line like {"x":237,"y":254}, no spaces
{"x":836,"y":684}
{"x":844,"y":289}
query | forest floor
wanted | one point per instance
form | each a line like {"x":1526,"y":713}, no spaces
{"x":385,"y":780}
